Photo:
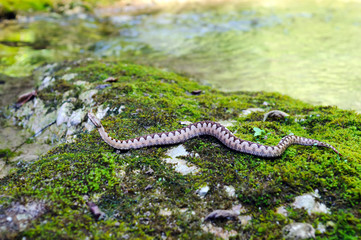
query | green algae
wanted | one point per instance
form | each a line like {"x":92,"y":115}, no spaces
{"x":155,"y":101}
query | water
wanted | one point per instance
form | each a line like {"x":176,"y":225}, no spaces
{"x":309,"y":50}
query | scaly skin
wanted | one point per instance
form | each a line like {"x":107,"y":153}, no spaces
{"x":206,"y":128}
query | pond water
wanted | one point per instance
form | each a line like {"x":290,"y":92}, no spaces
{"x":309,"y":50}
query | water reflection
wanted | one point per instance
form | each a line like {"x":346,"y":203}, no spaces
{"x":309,"y":51}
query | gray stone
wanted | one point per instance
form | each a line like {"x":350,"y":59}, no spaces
{"x":120,"y":110}
{"x":282,"y":210}
{"x":165,"y":212}
{"x":298,"y":231}
{"x":228,"y":123}
{"x":18,"y":217}
{"x":308,"y":202}
{"x":228,"y":214}
{"x":67,"y":94}
{"x":25,"y":158}
{"x":81,"y":83}
{"x":69,"y":76}
{"x":89,"y":126}
{"x":231,"y":192}
{"x":23,"y":116}
{"x":70,"y":131}
{"x":218,"y":231}
{"x":32,"y":115}
{"x":76,"y":118}
{"x":38,"y":122}
{"x":202,"y":192}
{"x":321,"y":228}
{"x":46,"y":82}
{"x":87,"y":97}
{"x":180,"y":165}
{"x":64,"y":113}
{"x":102,"y":111}
{"x":245,"y":219}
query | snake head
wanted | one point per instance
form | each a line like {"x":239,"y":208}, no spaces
{"x":94,"y":120}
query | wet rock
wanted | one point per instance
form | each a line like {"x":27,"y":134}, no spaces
{"x":218,"y":231}
{"x":87,"y":97}
{"x":202,"y":192}
{"x":308,"y":202}
{"x":18,"y":217}
{"x":298,"y":231}
{"x":180,"y":165}
{"x":64,"y":112}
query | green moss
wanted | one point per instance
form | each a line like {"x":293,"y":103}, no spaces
{"x":6,"y":154}
{"x":157,"y":101}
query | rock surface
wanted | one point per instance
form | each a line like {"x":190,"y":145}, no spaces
{"x":309,"y":203}
{"x":296,"y":231}
{"x":180,"y":165}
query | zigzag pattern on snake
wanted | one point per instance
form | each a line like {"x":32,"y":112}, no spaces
{"x":206,"y":128}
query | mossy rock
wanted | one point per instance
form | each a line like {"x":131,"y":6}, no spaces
{"x":89,"y":170}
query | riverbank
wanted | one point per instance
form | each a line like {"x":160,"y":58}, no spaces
{"x":83,"y":188}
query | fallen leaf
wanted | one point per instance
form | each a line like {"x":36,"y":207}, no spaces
{"x":196,"y":92}
{"x":24,"y":98}
{"x":111,"y":79}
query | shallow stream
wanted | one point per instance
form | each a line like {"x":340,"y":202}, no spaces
{"x":309,"y":50}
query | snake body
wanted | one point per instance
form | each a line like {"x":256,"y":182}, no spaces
{"x":206,"y":128}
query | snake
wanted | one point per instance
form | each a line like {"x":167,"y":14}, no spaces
{"x":211,"y":128}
